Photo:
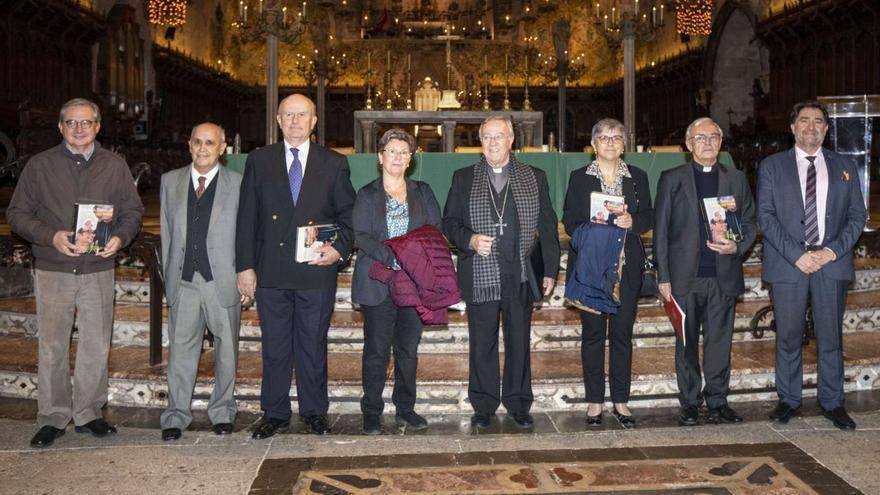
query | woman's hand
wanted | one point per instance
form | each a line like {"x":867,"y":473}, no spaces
{"x":624,"y":220}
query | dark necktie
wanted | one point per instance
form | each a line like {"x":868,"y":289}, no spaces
{"x":811,"y":220}
{"x":295,"y":176}
{"x":201,"y":189}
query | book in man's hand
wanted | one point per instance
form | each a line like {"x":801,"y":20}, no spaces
{"x":604,"y":208}
{"x":677,"y":317}
{"x":722,"y":219}
{"x":92,"y":227}
{"x":310,"y":237}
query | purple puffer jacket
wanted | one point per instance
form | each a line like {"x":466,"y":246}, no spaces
{"x":426,"y":279}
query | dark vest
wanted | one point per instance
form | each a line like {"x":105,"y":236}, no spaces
{"x":707,"y":187}
{"x":198,"y":216}
{"x":508,"y":244}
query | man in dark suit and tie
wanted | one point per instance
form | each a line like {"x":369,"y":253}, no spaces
{"x":199,"y":205}
{"x":704,"y":276}
{"x":288,"y":185}
{"x":812,"y":212}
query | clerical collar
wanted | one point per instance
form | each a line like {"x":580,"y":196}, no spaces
{"x":703,"y":168}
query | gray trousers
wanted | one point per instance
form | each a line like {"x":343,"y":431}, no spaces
{"x":197,"y":306}
{"x":60,"y":296}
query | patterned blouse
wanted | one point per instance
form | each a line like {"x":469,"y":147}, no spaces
{"x":615,"y":189}
{"x":396,"y":216}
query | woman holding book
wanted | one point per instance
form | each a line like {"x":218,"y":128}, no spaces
{"x":389,"y":207}
{"x":608,"y":174}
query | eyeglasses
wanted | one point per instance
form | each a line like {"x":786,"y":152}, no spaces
{"x":397,"y":153}
{"x":494,"y":137}
{"x":85,"y":124}
{"x":703,"y":138}
{"x":610,"y":139}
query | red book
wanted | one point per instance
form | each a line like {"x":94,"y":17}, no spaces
{"x":677,"y":317}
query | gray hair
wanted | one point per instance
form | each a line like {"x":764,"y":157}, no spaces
{"x":607,"y":125}
{"x":400,"y":135}
{"x":79,"y":102}
{"x":222,"y":130}
{"x":689,"y":133}
{"x":498,"y":118}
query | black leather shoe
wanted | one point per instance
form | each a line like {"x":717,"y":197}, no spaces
{"x":171,"y":434}
{"x":724,"y":414}
{"x":97,"y":427}
{"x":318,"y":424}
{"x":481,"y":420}
{"x":412,"y":420}
{"x":372,"y":424}
{"x":594,"y":420}
{"x":267,"y":427}
{"x":626,"y":421}
{"x":783,"y":412}
{"x":45,"y":436}
{"x":840,"y":418}
{"x":688,"y":415}
{"x":223,"y":428}
{"x":523,"y":419}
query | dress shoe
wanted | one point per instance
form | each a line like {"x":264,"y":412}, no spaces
{"x":724,"y":414}
{"x":688,"y":415}
{"x":97,"y":427}
{"x":372,"y":424}
{"x":523,"y":419}
{"x":171,"y":434}
{"x":223,"y":428}
{"x":783,"y":412}
{"x":625,"y":420}
{"x":318,"y":424}
{"x":412,"y":420}
{"x":481,"y":420}
{"x":594,"y":420}
{"x":267,"y":427}
{"x":840,"y":418}
{"x":45,"y":436}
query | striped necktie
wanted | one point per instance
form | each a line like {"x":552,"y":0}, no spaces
{"x":811,"y":219}
{"x":295,"y":176}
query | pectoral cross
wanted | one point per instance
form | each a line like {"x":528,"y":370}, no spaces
{"x":500,"y":227}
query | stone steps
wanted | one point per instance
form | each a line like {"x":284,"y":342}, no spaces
{"x":557,"y":375}
{"x":552,"y":327}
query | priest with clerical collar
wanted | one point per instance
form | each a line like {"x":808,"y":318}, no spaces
{"x":497,"y":214}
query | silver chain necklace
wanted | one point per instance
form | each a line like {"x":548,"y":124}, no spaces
{"x":500,"y":225}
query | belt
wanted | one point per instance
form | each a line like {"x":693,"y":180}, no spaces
{"x":814,"y":248}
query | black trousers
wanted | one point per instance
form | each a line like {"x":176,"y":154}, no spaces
{"x":619,"y":329}
{"x":388,"y":327}
{"x":707,"y":307}
{"x":515,"y":312}
{"x":293,"y":326}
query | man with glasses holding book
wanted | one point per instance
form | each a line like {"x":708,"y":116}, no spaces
{"x":78,"y":171}
{"x":702,"y":274}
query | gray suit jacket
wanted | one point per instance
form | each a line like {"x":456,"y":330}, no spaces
{"x":677,"y":223}
{"x":221,"y":232}
{"x":781,"y":216}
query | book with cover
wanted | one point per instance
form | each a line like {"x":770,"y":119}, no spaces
{"x":604,"y":208}
{"x":722,"y":219}
{"x":92,"y":228}
{"x":310,"y":237}
{"x":677,"y":317}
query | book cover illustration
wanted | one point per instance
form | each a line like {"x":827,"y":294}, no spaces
{"x":722,"y":219}
{"x":310,"y":237}
{"x":91,"y":232}
{"x":604,"y":208}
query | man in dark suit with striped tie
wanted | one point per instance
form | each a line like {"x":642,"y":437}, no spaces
{"x":288,"y":185}
{"x":811,"y":212}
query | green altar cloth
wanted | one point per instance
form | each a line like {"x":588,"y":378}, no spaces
{"x":436,"y":168}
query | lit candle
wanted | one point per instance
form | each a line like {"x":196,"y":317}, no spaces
{"x":637,"y":7}
{"x":245,"y":13}
{"x":606,"y":22}
{"x":304,"y":11}
{"x":661,"y":13}
{"x":261,"y":7}
{"x":654,"y":16}
{"x":597,"y":11}
{"x":240,"y":9}
{"x":284,"y":15}
{"x":613,"y":10}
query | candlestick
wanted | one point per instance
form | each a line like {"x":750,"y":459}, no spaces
{"x":369,"y":56}
{"x":505,"y":62}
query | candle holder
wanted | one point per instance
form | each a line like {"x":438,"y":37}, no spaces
{"x":271,"y":20}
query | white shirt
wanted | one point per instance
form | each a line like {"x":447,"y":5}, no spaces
{"x":302,"y":154}
{"x":208,"y":177}
{"x":821,"y":184}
